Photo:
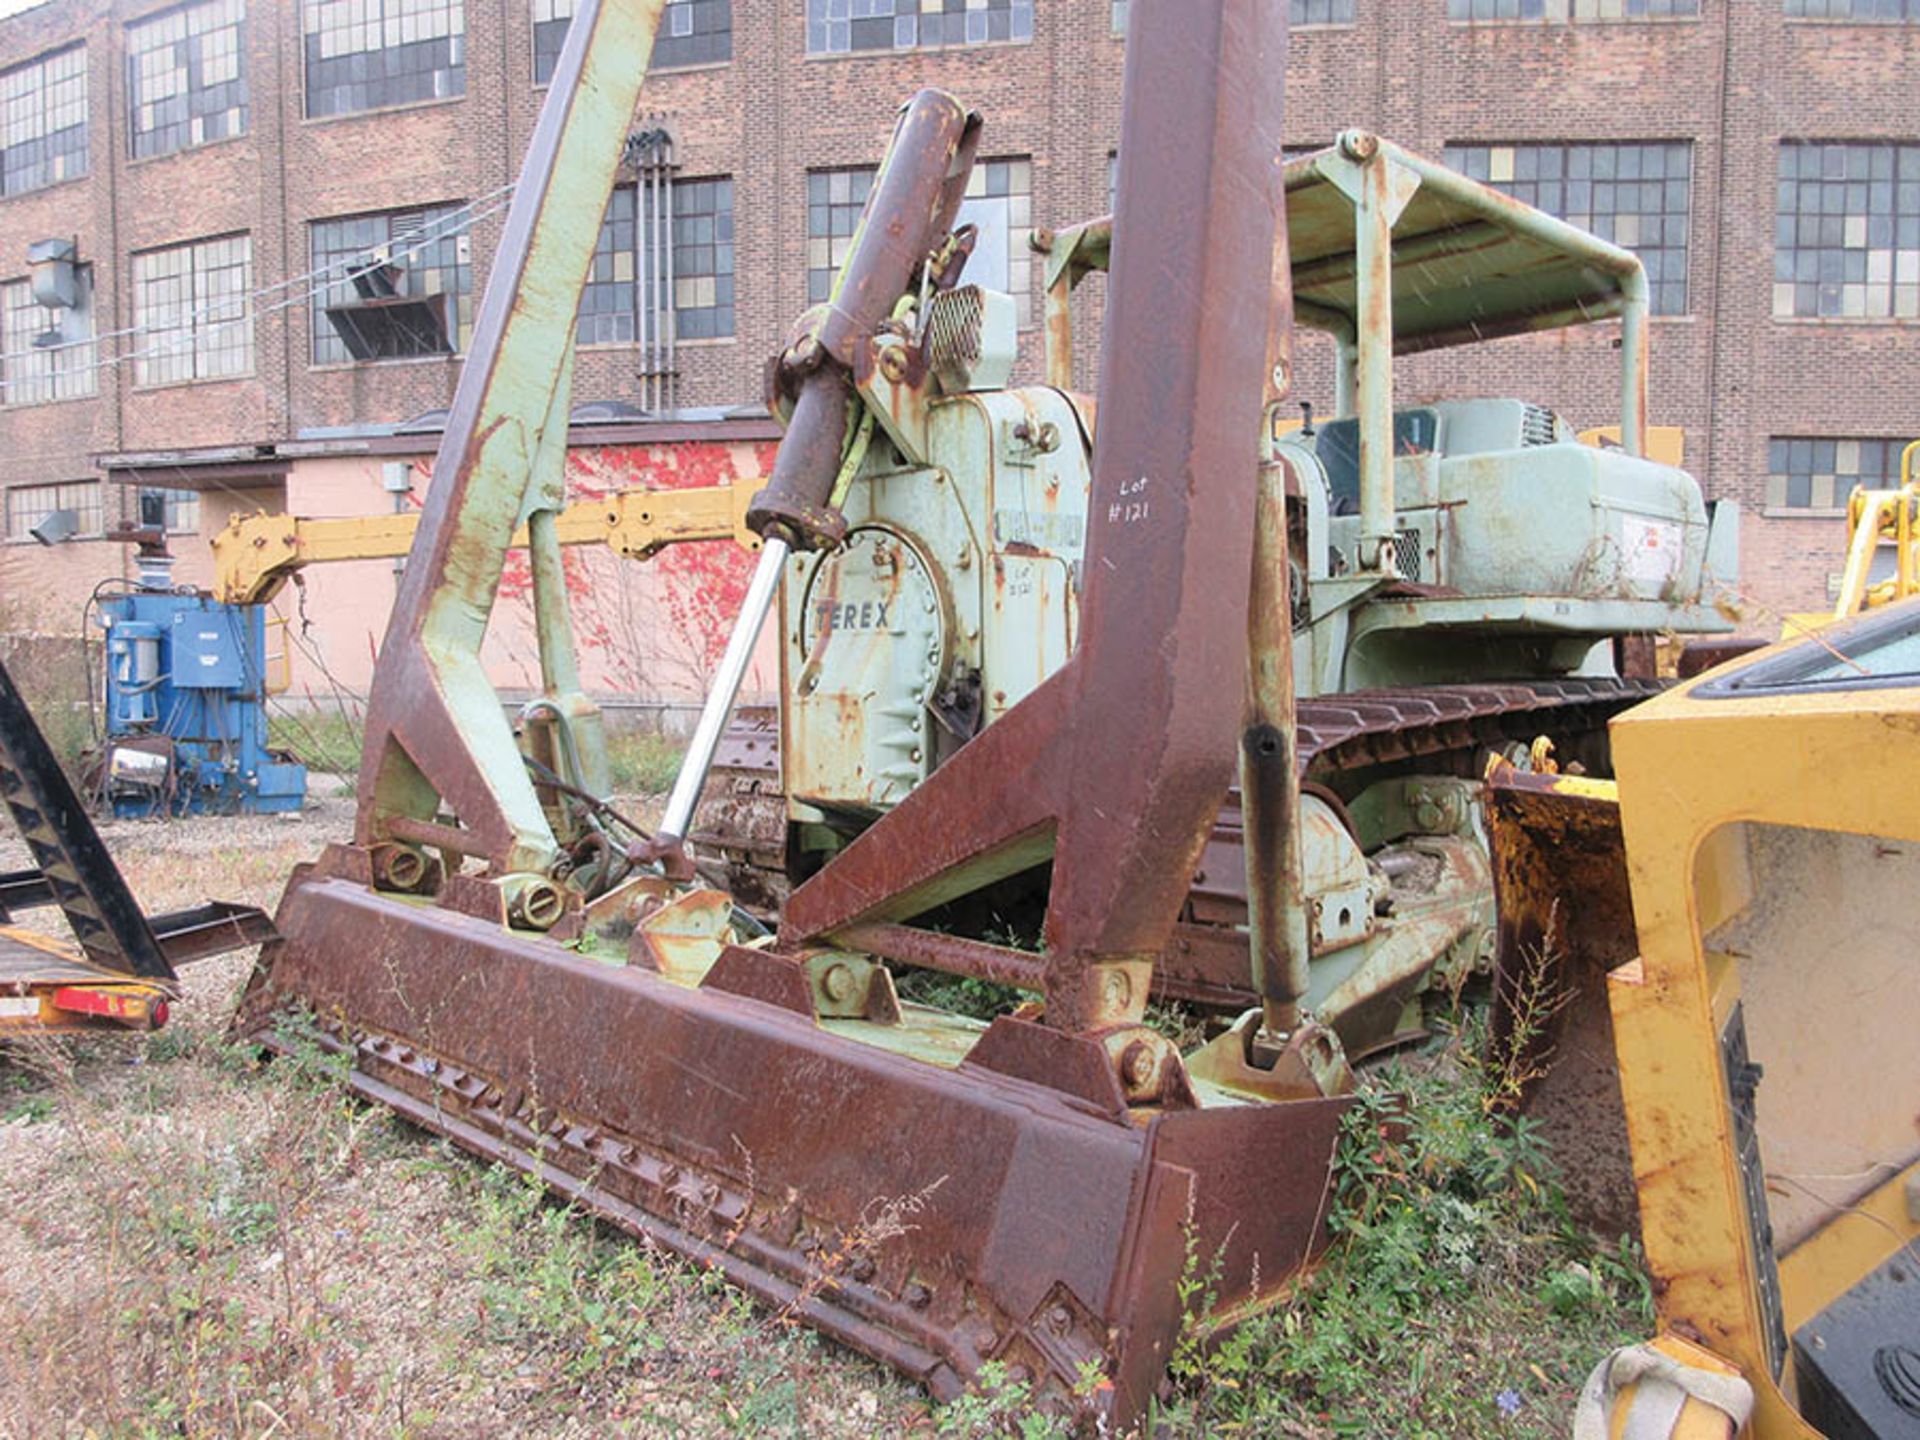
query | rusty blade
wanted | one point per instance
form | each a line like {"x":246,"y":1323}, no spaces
{"x":1565,"y":919}
{"x":931,"y":1217}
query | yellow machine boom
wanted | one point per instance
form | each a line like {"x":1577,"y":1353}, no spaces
{"x":257,"y":554}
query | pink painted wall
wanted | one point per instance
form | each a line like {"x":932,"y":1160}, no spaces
{"x":647,"y":630}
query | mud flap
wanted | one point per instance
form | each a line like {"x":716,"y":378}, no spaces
{"x":1565,"y":919}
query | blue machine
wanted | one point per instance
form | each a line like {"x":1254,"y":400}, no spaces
{"x":186,"y":709}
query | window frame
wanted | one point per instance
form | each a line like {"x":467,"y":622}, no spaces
{"x":1887,"y":478}
{"x":84,"y":370}
{"x":1904,"y":153}
{"x":1013,"y":8}
{"x":132,"y":57}
{"x":459,"y":93}
{"x":195,"y":312}
{"x":1793,"y":17}
{"x":23,"y":536}
{"x":1564,"y":13}
{"x":461,"y":297}
{"x":1590,"y":149}
{"x":667,"y":15}
{"x":641,"y":277}
{"x":171,"y":496}
{"x":85,"y":150}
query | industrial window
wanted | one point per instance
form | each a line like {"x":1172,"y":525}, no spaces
{"x":393,"y":285}
{"x":834,"y":201}
{"x":624,"y":272}
{"x":1807,"y":473}
{"x":28,"y":505}
{"x":366,"y":54}
{"x":43,"y":121}
{"x":192,"y":311}
{"x":1638,"y":195}
{"x":837,"y":27}
{"x":999,"y":201}
{"x":186,"y":77}
{"x":178,"y":511}
{"x":1299,"y":12}
{"x":1855,"y":9}
{"x":692,"y":32}
{"x":1847,"y":233}
{"x":46,"y":353}
{"x":1576,"y":10}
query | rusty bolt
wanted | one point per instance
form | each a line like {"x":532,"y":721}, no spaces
{"x":837,"y":982}
{"x":893,"y":363}
{"x":1119,"y":989}
{"x":1136,"y":1066}
{"x":862,"y":1269}
{"x":1359,"y":145}
{"x":1060,"y":1319}
{"x":917,"y":1296}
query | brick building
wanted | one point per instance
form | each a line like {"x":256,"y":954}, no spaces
{"x":196,"y":182}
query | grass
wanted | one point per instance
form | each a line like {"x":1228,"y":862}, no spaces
{"x":50,"y":671}
{"x":642,"y":762}
{"x":1459,"y":1298}
{"x":325,"y":741}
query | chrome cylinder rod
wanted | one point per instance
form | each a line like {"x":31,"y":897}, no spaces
{"x":726,"y":689}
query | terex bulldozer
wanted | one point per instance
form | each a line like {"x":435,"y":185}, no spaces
{"x":1023,"y":649}
{"x":1462,"y":575}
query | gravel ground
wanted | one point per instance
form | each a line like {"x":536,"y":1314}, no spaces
{"x":193,"y":1244}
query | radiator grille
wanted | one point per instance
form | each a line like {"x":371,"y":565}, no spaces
{"x":1406,"y":553}
{"x":1536,"y":426}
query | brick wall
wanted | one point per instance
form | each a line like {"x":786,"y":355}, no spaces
{"x":1733,"y":83}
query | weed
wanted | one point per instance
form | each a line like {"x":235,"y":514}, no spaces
{"x":643,"y":763}
{"x":325,"y":741}
{"x":957,"y":994}
{"x":1457,"y":1298}
{"x":29,"y":1110}
{"x":998,"y":1405}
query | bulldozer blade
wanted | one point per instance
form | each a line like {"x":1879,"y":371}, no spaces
{"x":1000,"y":1203}
{"x":1565,"y":920}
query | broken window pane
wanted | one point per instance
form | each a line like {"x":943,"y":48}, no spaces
{"x":186,"y":77}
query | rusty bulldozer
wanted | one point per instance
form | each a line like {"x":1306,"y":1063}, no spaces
{"x":751,"y":1102}
{"x":511,"y":962}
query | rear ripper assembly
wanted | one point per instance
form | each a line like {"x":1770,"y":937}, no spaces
{"x":505,"y":969}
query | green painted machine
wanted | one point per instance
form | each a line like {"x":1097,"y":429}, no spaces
{"x":1464,"y":577}
{"x":1022,"y":669}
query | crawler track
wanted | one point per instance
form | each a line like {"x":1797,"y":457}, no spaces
{"x":1345,"y":740}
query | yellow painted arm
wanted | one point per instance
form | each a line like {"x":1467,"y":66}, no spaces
{"x":256,"y":554}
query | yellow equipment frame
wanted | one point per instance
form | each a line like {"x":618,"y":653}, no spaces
{"x":1692,"y":770}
